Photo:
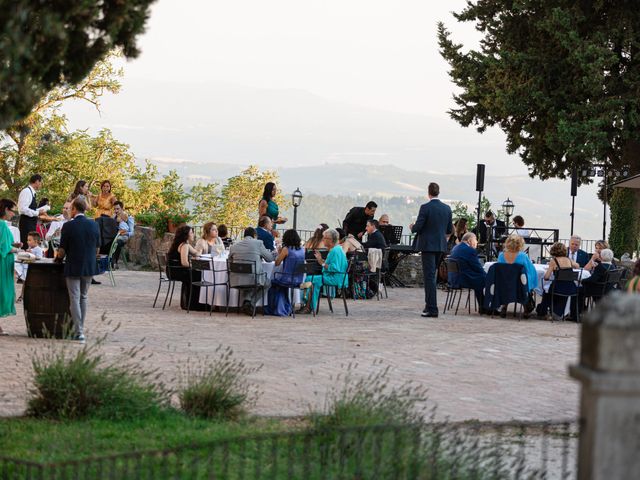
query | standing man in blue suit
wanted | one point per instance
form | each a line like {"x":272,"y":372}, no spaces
{"x":433,"y":226}
{"x":80,"y":244}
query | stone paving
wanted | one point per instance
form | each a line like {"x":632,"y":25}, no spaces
{"x":475,"y":367}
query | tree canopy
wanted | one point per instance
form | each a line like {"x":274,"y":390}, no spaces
{"x":44,"y":45}
{"x":560,"y":77}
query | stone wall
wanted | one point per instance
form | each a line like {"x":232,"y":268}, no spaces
{"x":143,"y":246}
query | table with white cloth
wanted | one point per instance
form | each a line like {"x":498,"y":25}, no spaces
{"x":221,"y":274}
{"x":543,"y":285}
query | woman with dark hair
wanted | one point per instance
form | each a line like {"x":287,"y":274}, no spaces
{"x":317,"y":241}
{"x":559,"y":261}
{"x":178,"y":269}
{"x":82,"y":190}
{"x":291,"y":255}
{"x":268,"y":206}
{"x":223,"y":234}
{"x":7,"y":249}
{"x":105,"y":200}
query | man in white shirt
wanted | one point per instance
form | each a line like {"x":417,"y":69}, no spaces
{"x":27,"y":206}
{"x":55,"y":229}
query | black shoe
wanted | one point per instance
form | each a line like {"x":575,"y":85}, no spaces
{"x":247,"y":309}
{"x":20,"y":281}
{"x":95,"y":282}
{"x":503,"y":312}
{"x":429,"y":315}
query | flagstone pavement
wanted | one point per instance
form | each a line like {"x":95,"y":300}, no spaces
{"x":474,"y":367}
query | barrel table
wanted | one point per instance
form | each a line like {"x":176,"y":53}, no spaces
{"x":46,"y":301}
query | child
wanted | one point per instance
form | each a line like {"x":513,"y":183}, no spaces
{"x":33,"y":243}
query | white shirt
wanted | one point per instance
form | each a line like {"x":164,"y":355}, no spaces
{"x":573,"y":255}
{"x":14,"y":231}
{"x":55,"y":225}
{"x":24,"y":200}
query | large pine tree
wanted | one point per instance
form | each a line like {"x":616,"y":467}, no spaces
{"x":562,"y":79}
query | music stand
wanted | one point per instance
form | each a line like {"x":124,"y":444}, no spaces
{"x":392,"y":233}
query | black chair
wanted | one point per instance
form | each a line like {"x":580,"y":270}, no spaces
{"x":249,"y":269}
{"x":565,"y":276}
{"x":162,"y":265}
{"x":613,"y":278}
{"x":175,"y":273}
{"x":380,"y":275}
{"x":200,"y":266}
{"x":287,"y":280}
{"x":310,"y":254}
{"x":340,"y":291}
{"x":453,"y":291}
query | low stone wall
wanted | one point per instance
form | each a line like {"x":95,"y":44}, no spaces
{"x":143,"y":246}
{"x":409,"y":271}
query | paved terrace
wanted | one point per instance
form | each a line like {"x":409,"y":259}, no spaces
{"x":475,"y":367}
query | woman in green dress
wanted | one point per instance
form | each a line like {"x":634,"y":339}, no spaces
{"x":7,"y":249}
{"x":268,"y":206}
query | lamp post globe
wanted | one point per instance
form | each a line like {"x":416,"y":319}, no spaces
{"x":507,"y":208}
{"x":296,"y":200}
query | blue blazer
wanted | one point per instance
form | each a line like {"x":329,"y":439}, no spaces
{"x":433,"y":225}
{"x":266,"y":237}
{"x":80,"y":240}
{"x":582,"y":258}
{"x":471,"y":275}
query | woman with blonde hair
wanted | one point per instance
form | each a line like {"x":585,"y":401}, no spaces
{"x":595,"y":258}
{"x":210,"y":243}
{"x":513,"y":254}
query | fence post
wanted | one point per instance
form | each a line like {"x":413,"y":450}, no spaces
{"x":609,"y":372}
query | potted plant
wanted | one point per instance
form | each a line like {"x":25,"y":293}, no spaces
{"x":176,"y":219}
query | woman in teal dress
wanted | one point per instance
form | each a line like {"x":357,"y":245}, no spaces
{"x":334,"y":269}
{"x":268,"y":206}
{"x":7,"y":249}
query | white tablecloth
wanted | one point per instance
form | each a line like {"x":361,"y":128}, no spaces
{"x":221,"y":275}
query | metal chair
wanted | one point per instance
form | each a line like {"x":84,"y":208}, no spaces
{"x":249,"y":269}
{"x":200,"y":266}
{"x":613,"y":278}
{"x":452,"y":292}
{"x":565,"y":275}
{"x":380,"y":275}
{"x":162,"y":265}
{"x":302,"y":269}
{"x":112,"y":249}
{"x":342,"y":291}
{"x":172,"y":273}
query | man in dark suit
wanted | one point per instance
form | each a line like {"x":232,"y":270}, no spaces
{"x":264,"y":233}
{"x":433,"y":226}
{"x":595,"y":284}
{"x":490,"y":224}
{"x":355,"y":223}
{"x":575,"y":253}
{"x":375,"y":238}
{"x":471,"y":274}
{"x":80,"y":244}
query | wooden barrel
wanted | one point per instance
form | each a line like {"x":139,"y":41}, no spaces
{"x":46,"y":301}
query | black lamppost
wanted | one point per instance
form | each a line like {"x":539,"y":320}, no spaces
{"x":296,"y":200}
{"x":507,"y":208}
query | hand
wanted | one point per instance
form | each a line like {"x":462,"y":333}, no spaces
{"x":411,"y":226}
{"x":318,"y":256}
{"x":284,"y":220}
{"x":360,"y":235}
{"x":17,"y":244}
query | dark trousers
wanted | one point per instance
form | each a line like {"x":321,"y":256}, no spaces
{"x":116,"y":253}
{"x":26,"y":225}
{"x":429,"y":267}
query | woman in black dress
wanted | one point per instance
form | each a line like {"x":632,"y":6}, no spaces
{"x":178,"y":268}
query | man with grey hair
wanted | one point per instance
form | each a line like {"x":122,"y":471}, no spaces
{"x":575,"y":253}
{"x":595,"y":286}
{"x":470,"y":272}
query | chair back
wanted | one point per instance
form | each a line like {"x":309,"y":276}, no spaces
{"x":241,"y":267}
{"x":452,"y":265}
{"x":303,"y":268}
{"x":198,"y":265}
{"x":566,"y":275}
{"x":614,"y":277}
{"x":505,"y":283}
{"x":162,"y":260}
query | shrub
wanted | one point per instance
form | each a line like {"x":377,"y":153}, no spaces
{"x":370,"y":400}
{"x":71,"y":385}
{"x":219,"y":388}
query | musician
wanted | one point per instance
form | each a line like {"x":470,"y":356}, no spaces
{"x":490,"y":224}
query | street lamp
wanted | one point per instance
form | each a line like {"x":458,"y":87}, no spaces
{"x":507,"y":208}
{"x":296,"y":200}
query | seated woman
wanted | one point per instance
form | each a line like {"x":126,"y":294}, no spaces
{"x":595,"y":257}
{"x":210,"y":243}
{"x":513,"y":254}
{"x":348,"y":243}
{"x":559,"y":261}
{"x":291,"y":255}
{"x":334,"y":270}
{"x":316,"y":240}
{"x":595,"y":285}
{"x":223,"y":234}
{"x":178,"y":268}
{"x":634,"y":284}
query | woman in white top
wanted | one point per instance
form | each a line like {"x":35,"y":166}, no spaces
{"x":210,"y":243}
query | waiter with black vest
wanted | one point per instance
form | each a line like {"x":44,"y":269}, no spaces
{"x":27,"y":206}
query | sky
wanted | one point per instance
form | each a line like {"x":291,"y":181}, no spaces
{"x":366,"y":76}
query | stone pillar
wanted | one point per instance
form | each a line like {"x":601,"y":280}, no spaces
{"x":609,"y":371}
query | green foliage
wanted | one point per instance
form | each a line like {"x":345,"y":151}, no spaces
{"x":625,"y":224}
{"x":219,"y":388}
{"x":80,"y":384}
{"x":172,"y":193}
{"x":370,"y":400}
{"x":49,"y":45}
{"x":207,"y":202}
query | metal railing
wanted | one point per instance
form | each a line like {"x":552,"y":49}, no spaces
{"x":434,"y":451}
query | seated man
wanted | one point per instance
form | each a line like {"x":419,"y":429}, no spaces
{"x":249,"y":249}
{"x":575,"y":253}
{"x":375,"y":239}
{"x":595,"y":284}
{"x":126,"y":228}
{"x":471,"y":274}
{"x":265,"y":232}
{"x":384,"y":220}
